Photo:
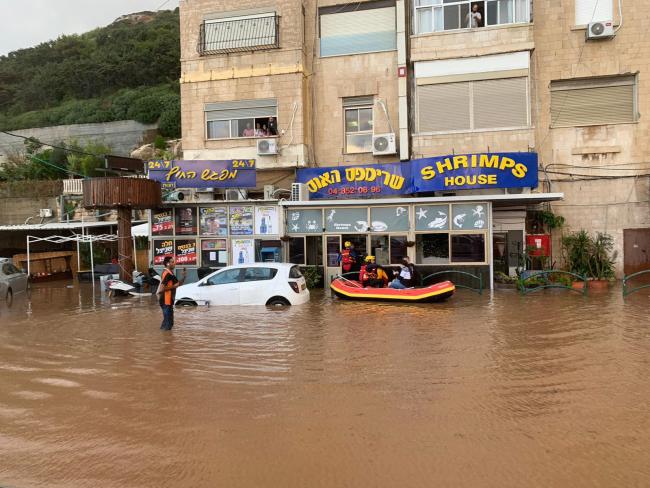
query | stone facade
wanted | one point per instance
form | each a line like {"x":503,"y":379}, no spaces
{"x":310,"y":89}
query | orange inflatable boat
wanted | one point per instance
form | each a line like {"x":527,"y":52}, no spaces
{"x":352,"y":290}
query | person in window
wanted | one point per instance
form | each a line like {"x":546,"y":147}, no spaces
{"x":404,"y":277}
{"x":474,"y":19}
{"x":258,"y":130}
{"x":248,"y":131}
{"x":265,"y":130}
{"x":273,"y":126}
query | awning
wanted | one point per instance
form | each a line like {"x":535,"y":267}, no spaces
{"x":60,"y":226}
{"x":140,"y":230}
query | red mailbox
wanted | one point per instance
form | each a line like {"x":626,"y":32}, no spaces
{"x":538,"y":244}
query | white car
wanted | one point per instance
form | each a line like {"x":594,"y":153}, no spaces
{"x":12,"y":280}
{"x":276,"y":284}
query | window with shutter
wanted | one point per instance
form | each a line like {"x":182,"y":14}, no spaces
{"x":593,"y":101}
{"x":592,"y":11}
{"x":354,"y":28}
{"x":473,"y":105}
{"x":239,"y":33}
{"x":241,"y":118}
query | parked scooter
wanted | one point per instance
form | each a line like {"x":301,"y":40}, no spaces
{"x":140,"y":282}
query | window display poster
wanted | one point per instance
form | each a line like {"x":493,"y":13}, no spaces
{"x":243,"y":251}
{"x":186,"y":252}
{"x":346,"y":220}
{"x":469,"y":216}
{"x":266,"y":220}
{"x":213,"y":221}
{"x":162,"y":223}
{"x":186,"y":221}
{"x":389,"y":219}
{"x":304,"y":221}
{"x":241,"y":220}
{"x":432,"y":217}
{"x":162,"y":249}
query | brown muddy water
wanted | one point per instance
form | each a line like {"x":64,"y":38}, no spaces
{"x":546,"y":390}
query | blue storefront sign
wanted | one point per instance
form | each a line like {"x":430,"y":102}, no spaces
{"x":228,"y":173}
{"x":473,"y":171}
{"x":370,"y":180}
{"x":451,"y":172}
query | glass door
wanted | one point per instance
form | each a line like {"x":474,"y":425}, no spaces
{"x":332,"y":265}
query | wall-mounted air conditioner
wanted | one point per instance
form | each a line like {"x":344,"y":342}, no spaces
{"x":383,"y":144}
{"x":600,"y":30}
{"x":266,"y":147}
{"x":235,"y":194}
{"x":518,"y":191}
{"x":299,"y":192}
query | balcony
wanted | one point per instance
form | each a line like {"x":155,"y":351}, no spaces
{"x":239,"y":34}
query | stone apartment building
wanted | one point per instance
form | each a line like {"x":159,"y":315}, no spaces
{"x":316,"y":80}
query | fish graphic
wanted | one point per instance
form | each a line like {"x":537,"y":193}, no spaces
{"x":439,"y":222}
{"x":330,"y":216}
{"x":459,"y":219}
{"x":361,"y":226}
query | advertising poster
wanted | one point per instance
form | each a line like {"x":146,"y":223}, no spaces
{"x":185,"y":252}
{"x":213,"y":221}
{"x":346,"y":220}
{"x":162,"y":223}
{"x":186,"y":221}
{"x":305,"y":221}
{"x":243,"y":251}
{"x":241,"y":220}
{"x":213,"y":252}
{"x":162,"y":249}
{"x":266,"y":220}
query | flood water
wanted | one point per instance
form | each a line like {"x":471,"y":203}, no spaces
{"x":546,"y":390}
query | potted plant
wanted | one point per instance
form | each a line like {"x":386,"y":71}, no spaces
{"x":601,"y":260}
{"x":577,"y":248}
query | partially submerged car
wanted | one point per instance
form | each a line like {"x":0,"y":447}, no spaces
{"x":273,"y":284}
{"x":12,"y":280}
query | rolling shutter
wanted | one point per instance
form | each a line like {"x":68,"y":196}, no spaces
{"x":500,"y":103}
{"x":242,"y":109}
{"x":597,"y":101}
{"x":443,"y":107}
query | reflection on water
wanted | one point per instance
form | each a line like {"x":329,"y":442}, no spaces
{"x":498,"y":390}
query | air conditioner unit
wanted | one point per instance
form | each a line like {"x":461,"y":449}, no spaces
{"x":383,"y":144}
{"x":266,"y":147}
{"x":268,"y":192}
{"x":518,"y":191}
{"x":236,"y":194}
{"x":176,"y":196}
{"x":600,"y":30}
{"x":299,"y":192}
{"x":45,"y":212}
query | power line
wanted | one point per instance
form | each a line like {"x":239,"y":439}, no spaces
{"x":36,"y":141}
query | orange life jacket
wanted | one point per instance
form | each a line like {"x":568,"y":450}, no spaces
{"x":347,"y":260}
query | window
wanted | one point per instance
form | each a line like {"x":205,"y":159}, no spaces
{"x":214,"y":252}
{"x":473,"y":105}
{"x":294,"y":272}
{"x":225,"y":277}
{"x":397,"y":249}
{"x":432,"y":248}
{"x":388,"y":249}
{"x":259,"y":274}
{"x":360,"y":27}
{"x":241,"y":119}
{"x":442,"y":15}
{"x":297,"y":250}
{"x":592,"y":10}
{"x":186,"y":221}
{"x":239,"y":33}
{"x":468,"y":248}
{"x":593,"y":101}
{"x":358,"y":124}
{"x":9,"y":269}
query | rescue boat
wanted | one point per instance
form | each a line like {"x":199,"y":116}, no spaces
{"x":352,"y":290}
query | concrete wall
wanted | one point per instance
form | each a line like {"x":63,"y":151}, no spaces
{"x":122,"y":136}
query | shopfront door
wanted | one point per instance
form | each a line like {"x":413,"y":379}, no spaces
{"x":332,"y":266}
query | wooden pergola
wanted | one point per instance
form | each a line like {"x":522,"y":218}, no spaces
{"x":124,"y":194}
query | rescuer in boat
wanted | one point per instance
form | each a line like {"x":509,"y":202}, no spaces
{"x":348,"y":257}
{"x":371,"y":274}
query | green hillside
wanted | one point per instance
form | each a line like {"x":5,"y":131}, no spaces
{"x":127,"y":70}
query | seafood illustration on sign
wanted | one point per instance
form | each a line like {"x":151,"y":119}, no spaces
{"x":361,"y":226}
{"x":478,"y":212}
{"x":422,"y":213}
{"x":311,"y":225}
{"x":399,"y":211}
{"x":379,"y":226}
{"x":330,"y":215}
{"x":459,"y":219}
{"x":479,"y":224}
{"x":438,"y":223}
{"x":295,"y":216}
{"x":294,"y":227}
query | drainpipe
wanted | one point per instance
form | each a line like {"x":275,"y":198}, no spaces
{"x":402,"y":101}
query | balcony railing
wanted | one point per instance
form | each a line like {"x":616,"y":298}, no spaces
{"x":241,"y":34}
{"x":73,"y":186}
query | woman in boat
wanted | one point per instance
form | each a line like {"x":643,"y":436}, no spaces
{"x":404,"y":278}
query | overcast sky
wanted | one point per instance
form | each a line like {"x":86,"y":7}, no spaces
{"x":26,"y":23}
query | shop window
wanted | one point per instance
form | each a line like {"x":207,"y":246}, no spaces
{"x":468,"y":248}
{"x":594,"y":101}
{"x":214,"y":253}
{"x":473,"y":105}
{"x":242,"y":119}
{"x":397,"y":249}
{"x":443,"y":15}
{"x":237,"y":33}
{"x":314,"y":251}
{"x":432,"y":248}
{"x":358,"y":124}
{"x":268,"y":251}
{"x":162,"y":222}
{"x":297,"y":250}
{"x":186,"y":252}
{"x":361,"y":27}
